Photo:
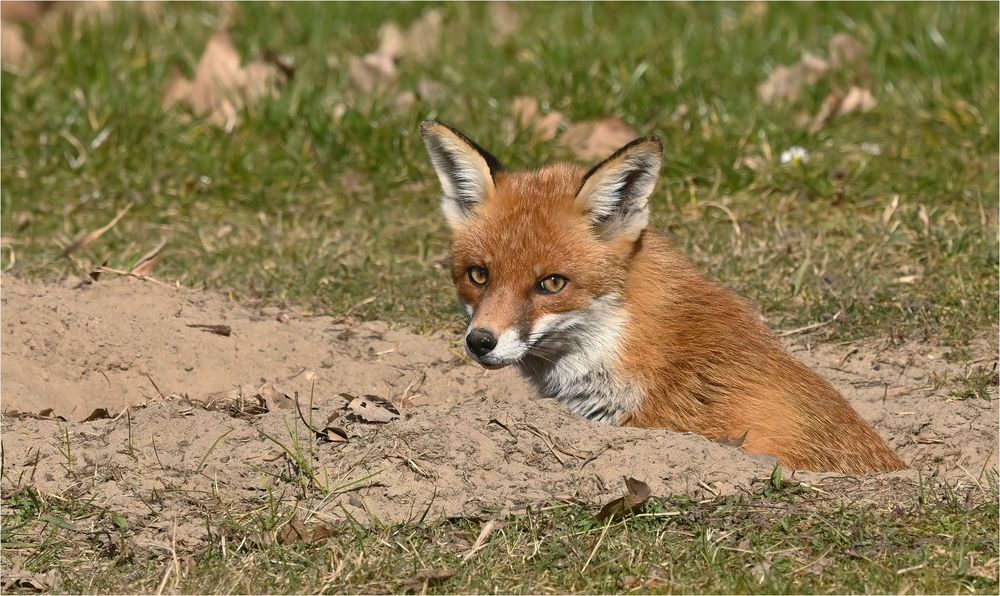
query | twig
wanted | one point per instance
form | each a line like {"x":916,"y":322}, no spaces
{"x":545,"y":440}
{"x":597,"y":546}
{"x":480,"y":542}
{"x":154,"y":385}
{"x":812,"y":326}
{"x":298,"y":409}
{"x":103,"y":269}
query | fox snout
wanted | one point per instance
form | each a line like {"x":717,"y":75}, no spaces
{"x":480,"y":342}
{"x":495,"y":350}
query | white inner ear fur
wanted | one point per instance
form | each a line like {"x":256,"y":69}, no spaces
{"x":616,"y":195}
{"x":464,"y":174}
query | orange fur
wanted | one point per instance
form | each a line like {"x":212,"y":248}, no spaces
{"x":695,"y":354}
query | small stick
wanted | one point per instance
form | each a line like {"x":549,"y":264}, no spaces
{"x":812,"y":326}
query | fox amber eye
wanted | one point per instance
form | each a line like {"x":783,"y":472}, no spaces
{"x":478,"y":276}
{"x":552,"y":284}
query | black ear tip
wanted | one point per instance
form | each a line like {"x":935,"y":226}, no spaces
{"x":654,"y":140}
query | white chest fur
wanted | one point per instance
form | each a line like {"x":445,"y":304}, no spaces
{"x":575,"y":361}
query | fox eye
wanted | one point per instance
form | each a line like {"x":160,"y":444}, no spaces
{"x":552,"y":284}
{"x":478,"y":276}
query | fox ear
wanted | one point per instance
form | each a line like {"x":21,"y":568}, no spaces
{"x":466,"y":170}
{"x":615,"y":193}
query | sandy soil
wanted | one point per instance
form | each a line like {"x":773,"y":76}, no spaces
{"x":215,"y":422}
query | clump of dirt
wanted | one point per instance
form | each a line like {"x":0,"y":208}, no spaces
{"x":365,"y":422}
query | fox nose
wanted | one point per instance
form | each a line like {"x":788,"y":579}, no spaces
{"x":481,"y":341}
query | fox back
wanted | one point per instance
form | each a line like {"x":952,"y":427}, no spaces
{"x":561,"y":277}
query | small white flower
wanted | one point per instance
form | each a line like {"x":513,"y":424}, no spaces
{"x":794,"y":155}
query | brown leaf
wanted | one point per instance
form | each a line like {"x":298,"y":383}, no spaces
{"x":16,"y":11}
{"x":526,"y":110}
{"x":505,"y":20}
{"x":224,"y":330}
{"x":597,"y":139}
{"x":370,"y":408}
{"x":633,"y":502}
{"x":98,"y":414}
{"x":826,"y":112}
{"x":14,"y":51}
{"x":377,"y":69}
{"x":837,"y":104}
{"x":785,"y":84}
{"x":405,"y":101}
{"x":293,"y":531}
{"x":321,"y":533}
{"x":335,"y":434}
{"x":847,"y":52}
{"x":371,"y":72}
{"x":221,"y":87}
{"x":431,"y":91}
{"x":248,"y":401}
{"x":148,"y":261}
{"x":85,"y":240}
{"x":423,"y":37}
{"x":857,"y":99}
{"x":426,"y":578}
{"x":16,"y":578}
{"x":731,"y":442}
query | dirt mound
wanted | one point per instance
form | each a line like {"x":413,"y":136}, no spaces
{"x":218,"y":423}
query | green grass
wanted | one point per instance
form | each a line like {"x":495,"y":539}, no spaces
{"x":273,"y":211}
{"x":295,"y":206}
{"x":792,"y":540}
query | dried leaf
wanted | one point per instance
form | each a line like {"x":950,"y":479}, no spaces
{"x":426,"y":578}
{"x":17,"y":11}
{"x":837,"y":104}
{"x":633,"y":502}
{"x":334,"y":434}
{"x":405,"y":101}
{"x":423,"y":38}
{"x":148,"y":261}
{"x":480,"y":542}
{"x":377,"y":69}
{"x":293,"y":531}
{"x":98,"y":414}
{"x":505,"y":20}
{"x":370,"y":408}
{"x":86,"y":239}
{"x":16,"y":578}
{"x":371,"y":72}
{"x":248,"y":401}
{"x":597,"y":139}
{"x":785,"y":84}
{"x":221,"y":87}
{"x":847,"y":52}
{"x":731,"y":442}
{"x":526,"y":110}
{"x":321,"y":533}
{"x":224,"y":330}
{"x":431,"y":91}
{"x":857,"y":99}
{"x":14,"y":51}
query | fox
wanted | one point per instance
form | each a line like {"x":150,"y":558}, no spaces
{"x":561,"y":276}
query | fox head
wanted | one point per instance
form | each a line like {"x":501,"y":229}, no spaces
{"x":539,"y":257}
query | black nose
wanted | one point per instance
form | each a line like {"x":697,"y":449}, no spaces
{"x":481,"y":341}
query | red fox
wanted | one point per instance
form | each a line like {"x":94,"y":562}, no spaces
{"x":561,"y":276}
